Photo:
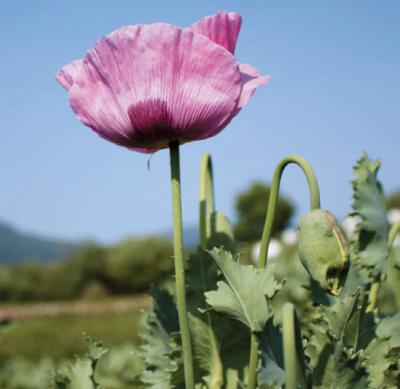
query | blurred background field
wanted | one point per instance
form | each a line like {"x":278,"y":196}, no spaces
{"x":101,"y":290}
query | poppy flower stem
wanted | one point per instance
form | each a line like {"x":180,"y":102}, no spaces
{"x":180,"y":265}
{"x":315,"y":203}
{"x":207,"y":199}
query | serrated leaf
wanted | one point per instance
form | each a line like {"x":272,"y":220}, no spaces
{"x":202,"y":275}
{"x":243,"y":294}
{"x":81,"y":375}
{"x":389,"y":328}
{"x":369,"y":244}
{"x":159,"y":348}
{"x":78,"y":376}
{"x":344,"y":370}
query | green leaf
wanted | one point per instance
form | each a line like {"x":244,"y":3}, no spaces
{"x":160,"y":352}
{"x":76,"y":377}
{"x":389,"y":328}
{"x":206,"y":351}
{"x":272,"y":371}
{"x":243,"y":295}
{"x":383,"y":354}
{"x":82,"y":374}
{"x":201,"y":276}
{"x":369,"y":243}
{"x":165,"y":309}
{"x":223,"y":334}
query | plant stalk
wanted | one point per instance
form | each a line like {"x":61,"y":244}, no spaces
{"x":294,"y":366}
{"x":180,"y":265}
{"x":373,"y":294}
{"x":207,"y":199}
{"x":315,"y":203}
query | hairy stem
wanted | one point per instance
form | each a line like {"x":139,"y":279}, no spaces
{"x":207,"y":199}
{"x":266,"y":236}
{"x":180,"y":265}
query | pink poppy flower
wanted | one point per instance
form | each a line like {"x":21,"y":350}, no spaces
{"x":144,"y":86}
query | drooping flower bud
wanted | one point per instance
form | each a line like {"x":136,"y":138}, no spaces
{"x":323,"y":250}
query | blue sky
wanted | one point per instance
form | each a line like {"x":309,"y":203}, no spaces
{"x":334,"y":93}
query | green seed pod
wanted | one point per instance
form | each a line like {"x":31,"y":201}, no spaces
{"x":323,"y":250}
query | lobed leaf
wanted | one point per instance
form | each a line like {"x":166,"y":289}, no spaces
{"x":369,"y":243}
{"x":243,"y":295}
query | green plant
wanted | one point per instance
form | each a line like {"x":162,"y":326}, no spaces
{"x":282,"y":324}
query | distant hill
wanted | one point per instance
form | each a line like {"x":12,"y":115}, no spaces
{"x":16,"y":246}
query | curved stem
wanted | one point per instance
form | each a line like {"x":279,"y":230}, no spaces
{"x":207,"y":199}
{"x":180,"y":265}
{"x":315,"y":203}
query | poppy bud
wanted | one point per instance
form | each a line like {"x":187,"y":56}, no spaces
{"x":323,"y":250}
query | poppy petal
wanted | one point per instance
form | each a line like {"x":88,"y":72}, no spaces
{"x":145,"y":85}
{"x":222,"y":28}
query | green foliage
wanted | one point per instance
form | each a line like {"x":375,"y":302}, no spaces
{"x":339,"y":341}
{"x":117,"y":369}
{"x":160,"y":348}
{"x":251,"y":207}
{"x":346,"y":340}
{"x":244,"y":292}
{"x":134,"y":264}
{"x":369,"y":243}
{"x":92,"y":272}
{"x":272,"y":371}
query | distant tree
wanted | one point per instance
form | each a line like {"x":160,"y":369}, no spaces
{"x":134,"y":264}
{"x":251,"y":208}
{"x":393,"y":201}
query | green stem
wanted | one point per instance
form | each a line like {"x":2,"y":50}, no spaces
{"x":315,"y":203}
{"x":291,"y":339}
{"x":373,"y":296}
{"x":207,"y":199}
{"x":373,"y":293}
{"x":180,"y":265}
{"x":393,"y":272}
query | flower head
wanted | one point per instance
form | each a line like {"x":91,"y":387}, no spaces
{"x":144,"y":86}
